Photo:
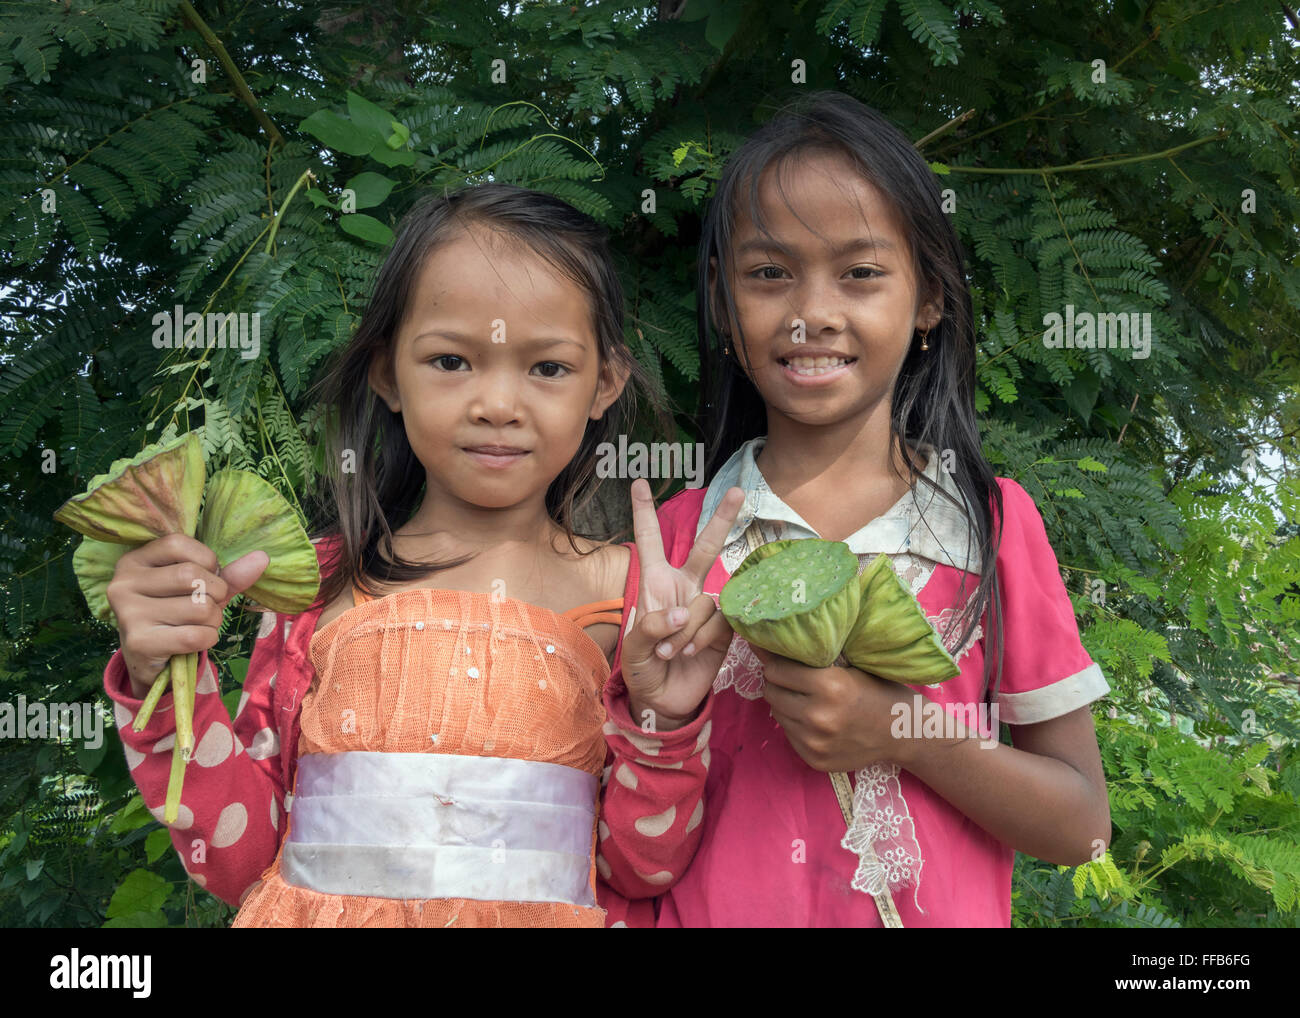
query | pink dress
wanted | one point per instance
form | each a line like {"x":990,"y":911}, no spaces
{"x":772,"y":851}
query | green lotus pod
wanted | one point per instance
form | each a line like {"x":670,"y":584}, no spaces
{"x":891,"y":637}
{"x":763,"y":551}
{"x":152,"y":494}
{"x":796,"y":598}
{"x":94,"y":562}
{"x":159,"y":492}
{"x":243,"y":513}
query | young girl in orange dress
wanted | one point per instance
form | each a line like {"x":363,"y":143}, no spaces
{"x":428,"y":744}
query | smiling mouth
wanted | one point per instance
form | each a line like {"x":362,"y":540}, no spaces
{"x":813,"y":366}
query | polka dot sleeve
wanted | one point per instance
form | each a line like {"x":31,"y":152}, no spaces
{"x":232,"y":804}
{"x":652,"y":795}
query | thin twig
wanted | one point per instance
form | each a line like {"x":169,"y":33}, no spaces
{"x":1087,"y":164}
{"x":1130,"y":417}
{"x":945,"y":128}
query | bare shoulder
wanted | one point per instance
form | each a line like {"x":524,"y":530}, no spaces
{"x":604,"y":567}
{"x":615,"y":561}
{"x":600,"y":571}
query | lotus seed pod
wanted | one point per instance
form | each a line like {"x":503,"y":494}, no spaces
{"x":243,"y":513}
{"x":763,"y":551}
{"x":797,"y":598}
{"x":922,"y":663}
{"x":94,"y":563}
{"x":891,"y":637}
{"x":152,"y":494}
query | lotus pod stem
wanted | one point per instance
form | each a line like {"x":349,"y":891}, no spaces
{"x":184,"y":680}
{"x":185,"y":669}
{"x":175,"y":781}
{"x":151,"y":698}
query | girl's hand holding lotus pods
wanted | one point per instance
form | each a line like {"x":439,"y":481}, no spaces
{"x":156,"y":531}
{"x":168,"y":597}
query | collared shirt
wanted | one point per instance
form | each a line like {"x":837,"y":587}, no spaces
{"x":774,"y":849}
{"x":922,"y":523}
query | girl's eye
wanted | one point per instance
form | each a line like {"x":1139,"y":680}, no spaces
{"x":456,"y":362}
{"x":762,"y":273}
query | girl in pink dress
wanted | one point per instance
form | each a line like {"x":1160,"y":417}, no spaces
{"x":427,"y":745}
{"x":839,"y":396}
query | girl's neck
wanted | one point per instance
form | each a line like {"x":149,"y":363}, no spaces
{"x":838,"y":478}
{"x":445,"y":532}
{"x":795,"y":455}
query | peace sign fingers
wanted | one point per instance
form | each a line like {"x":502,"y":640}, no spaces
{"x":657,"y":587}
{"x":645,"y":525}
{"x":674,"y":613}
{"x":708,"y":546}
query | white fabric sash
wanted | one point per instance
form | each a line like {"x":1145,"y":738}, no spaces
{"x":438,"y":825}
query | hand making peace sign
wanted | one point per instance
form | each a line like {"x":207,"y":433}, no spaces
{"x":673,"y":680}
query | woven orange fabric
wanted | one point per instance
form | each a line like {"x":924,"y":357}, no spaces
{"x":448,"y":671}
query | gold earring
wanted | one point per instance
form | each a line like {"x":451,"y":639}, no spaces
{"x":924,"y":336}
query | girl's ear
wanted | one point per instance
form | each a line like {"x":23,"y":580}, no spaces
{"x":613,"y":377}
{"x":930,"y":313}
{"x":380,"y":376}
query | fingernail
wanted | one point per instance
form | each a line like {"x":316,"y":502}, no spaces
{"x":689,"y":649}
{"x":665,"y":649}
{"x":677,"y":616}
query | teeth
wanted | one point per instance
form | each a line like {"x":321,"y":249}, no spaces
{"x":815,"y":365}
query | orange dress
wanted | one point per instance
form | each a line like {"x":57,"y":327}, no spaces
{"x":449,"y":672}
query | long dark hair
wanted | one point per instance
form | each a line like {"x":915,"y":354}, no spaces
{"x":365,"y":505}
{"x":934,"y":397}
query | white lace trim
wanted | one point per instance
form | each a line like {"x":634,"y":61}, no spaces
{"x":882,"y":821}
{"x":880,"y":814}
{"x":881,"y":818}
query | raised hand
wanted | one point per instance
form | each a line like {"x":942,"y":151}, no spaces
{"x":678,"y":638}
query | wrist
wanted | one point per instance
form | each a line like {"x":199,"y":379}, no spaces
{"x":137,"y":681}
{"x":642,"y":714}
{"x":140,"y":677}
{"x":927,"y":739}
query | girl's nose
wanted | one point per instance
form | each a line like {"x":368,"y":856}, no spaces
{"x":496,"y":401}
{"x":820,"y":304}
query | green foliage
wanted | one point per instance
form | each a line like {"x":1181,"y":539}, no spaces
{"x":1206,"y":834}
{"x":1160,"y":183}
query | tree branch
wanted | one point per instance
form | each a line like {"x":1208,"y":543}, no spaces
{"x":1091,"y":165}
{"x":237,"y":79}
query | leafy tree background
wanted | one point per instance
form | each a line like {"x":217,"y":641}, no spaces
{"x":133,"y":178}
